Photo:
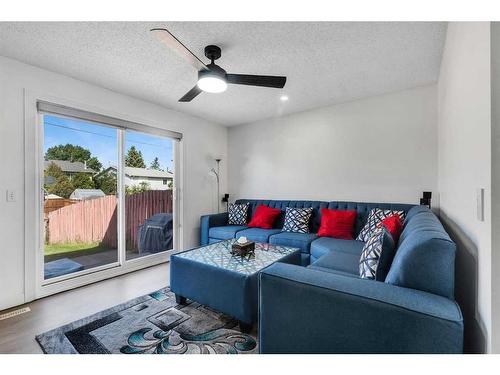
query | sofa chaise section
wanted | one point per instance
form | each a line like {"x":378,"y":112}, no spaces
{"x":303,"y":310}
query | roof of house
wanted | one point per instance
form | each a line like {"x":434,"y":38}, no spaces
{"x":86,"y":193}
{"x":70,"y":166}
{"x":142,"y":172}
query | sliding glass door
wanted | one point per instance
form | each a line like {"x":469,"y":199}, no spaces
{"x":107,"y":195}
{"x":79,"y":205}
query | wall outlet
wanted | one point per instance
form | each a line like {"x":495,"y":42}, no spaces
{"x":11,"y":196}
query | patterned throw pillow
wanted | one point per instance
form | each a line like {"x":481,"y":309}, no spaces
{"x":297,"y":220}
{"x":374,"y":221}
{"x":238,"y":213}
{"x":377,"y":255}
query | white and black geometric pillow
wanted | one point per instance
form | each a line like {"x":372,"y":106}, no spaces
{"x":374,"y":220}
{"x":238,"y":213}
{"x":376,"y":257}
{"x":297,"y":220}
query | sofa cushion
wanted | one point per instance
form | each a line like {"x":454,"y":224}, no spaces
{"x":377,"y":255}
{"x":258,"y":234}
{"x":324,"y":245}
{"x":300,"y":240}
{"x":226,"y":232}
{"x":237,"y":213}
{"x":339,"y":261}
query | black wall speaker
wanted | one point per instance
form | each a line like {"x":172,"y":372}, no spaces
{"x":426,"y":199}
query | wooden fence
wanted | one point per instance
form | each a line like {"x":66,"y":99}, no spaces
{"x":55,"y":204}
{"x":95,"y":220}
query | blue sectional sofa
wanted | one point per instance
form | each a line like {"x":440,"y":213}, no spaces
{"x":324,"y":306}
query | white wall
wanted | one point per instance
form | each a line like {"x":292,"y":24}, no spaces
{"x":203,"y":141}
{"x":495,"y":184}
{"x":380,"y":149}
{"x":464,"y":166}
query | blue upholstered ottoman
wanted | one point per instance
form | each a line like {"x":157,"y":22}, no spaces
{"x":210,"y":275}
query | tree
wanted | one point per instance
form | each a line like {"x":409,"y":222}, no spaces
{"x":155,"y":164}
{"x":107,"y":183}
{"x":68,"y":152}
{"x":94,"y":163}
{"x":62,"y":187}
{"x":53,"y":170}
{"x":82,"y":181}
{"x":134,"y":158}
{"x":61,"y":184}
{"x":141,"y":188}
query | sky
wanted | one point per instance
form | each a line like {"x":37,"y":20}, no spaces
{"x":102,"y":140}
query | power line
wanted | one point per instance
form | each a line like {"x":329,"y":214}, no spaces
{"x":99,"y":134}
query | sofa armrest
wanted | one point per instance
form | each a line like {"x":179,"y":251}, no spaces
{"x":209,"y":221}
{"x":310,"y":311}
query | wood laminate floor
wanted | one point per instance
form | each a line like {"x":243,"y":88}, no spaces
{"x":17,"y":334}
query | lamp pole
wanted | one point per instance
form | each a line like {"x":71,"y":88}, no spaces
{"x":217,"y":172}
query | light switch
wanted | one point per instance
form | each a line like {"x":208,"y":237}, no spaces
{"x":11,"y":196}
{"x":480,"y":204}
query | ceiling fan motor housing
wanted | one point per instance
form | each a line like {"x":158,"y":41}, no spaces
{"x":212,"y":52}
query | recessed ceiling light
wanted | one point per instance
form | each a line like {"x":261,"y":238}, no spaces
{"x":284,"y":98}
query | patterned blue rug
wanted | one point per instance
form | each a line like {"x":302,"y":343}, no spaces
{"x":153,"y":324}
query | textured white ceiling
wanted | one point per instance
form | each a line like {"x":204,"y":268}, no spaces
{"x":325,"y":62}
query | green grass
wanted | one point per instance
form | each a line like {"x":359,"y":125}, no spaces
{"x":64,"y":248}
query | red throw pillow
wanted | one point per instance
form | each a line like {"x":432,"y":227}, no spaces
{"x":394,"y":226}
{"x":337,"y":224}
{"x":264,"y":217}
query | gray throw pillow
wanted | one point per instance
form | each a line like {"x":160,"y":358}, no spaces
{"x":238,"y":213}
{"x":377,"y":255}
{"x":297,"y":220}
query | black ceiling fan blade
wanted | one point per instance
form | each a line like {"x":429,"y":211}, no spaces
{"x":253,"y":80}
{"x":175,"y":44}
{"x":191,"y":94}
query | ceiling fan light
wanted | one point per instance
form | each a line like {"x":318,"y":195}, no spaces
{"x":212,"y":84}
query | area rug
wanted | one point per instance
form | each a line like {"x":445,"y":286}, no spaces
{"x":153,"y":324}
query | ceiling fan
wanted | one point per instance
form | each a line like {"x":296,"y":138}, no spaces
{"x":212,"y":78}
